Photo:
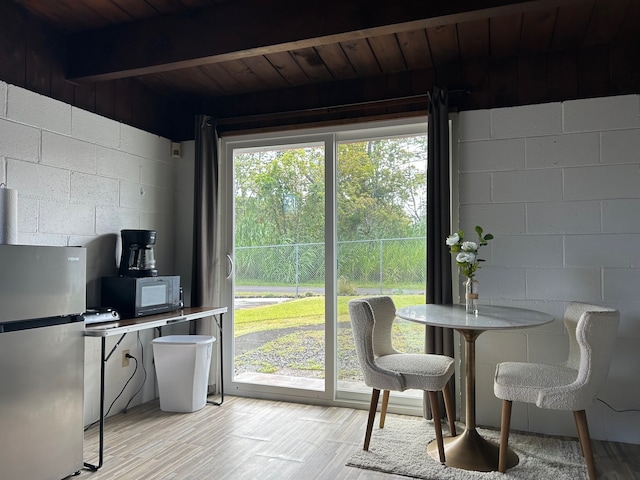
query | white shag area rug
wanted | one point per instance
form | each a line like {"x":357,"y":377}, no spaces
{"x":400,"y":448}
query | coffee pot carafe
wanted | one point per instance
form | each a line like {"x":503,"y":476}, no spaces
{"x":137,"y":259}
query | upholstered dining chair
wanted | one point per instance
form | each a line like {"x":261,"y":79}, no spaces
{"x":384,"y":368}
{"x":572,"y":385}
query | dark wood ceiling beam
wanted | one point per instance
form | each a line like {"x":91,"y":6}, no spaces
{"x":237,"y":30}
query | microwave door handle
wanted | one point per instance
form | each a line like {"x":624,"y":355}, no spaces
{"x":231,"y":266}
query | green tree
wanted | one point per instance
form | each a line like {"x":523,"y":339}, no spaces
{"x":380,"y":188}
{"x":280,"y":193}
{"x":280,"y":197}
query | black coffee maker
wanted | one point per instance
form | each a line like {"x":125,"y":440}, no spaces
{"x":137,"y":258}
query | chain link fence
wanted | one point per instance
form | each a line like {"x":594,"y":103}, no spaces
{"x":371,"y":266}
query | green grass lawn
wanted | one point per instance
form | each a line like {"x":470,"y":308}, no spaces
{"x":299,"y":312}
{"x":301,"y":352}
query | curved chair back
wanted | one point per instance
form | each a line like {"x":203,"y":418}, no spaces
{"x":384,"y":313}
{"x":372,"y":337}
{"x":592,"y":332}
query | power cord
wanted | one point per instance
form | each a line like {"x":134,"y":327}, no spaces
{"x":618,"y":411}
{"x":117,"y":396}
{"x":144,"y":379}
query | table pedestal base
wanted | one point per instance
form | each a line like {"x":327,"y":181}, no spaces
{"x":470,"y":451}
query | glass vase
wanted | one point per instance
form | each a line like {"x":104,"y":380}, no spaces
{"x":471,"y":295}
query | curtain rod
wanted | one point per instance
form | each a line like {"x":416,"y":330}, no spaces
{"x":333,"y":109}
{"x":329,"y":109}
{"x":457,"y":90}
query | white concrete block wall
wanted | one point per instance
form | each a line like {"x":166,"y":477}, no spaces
{"x":555,"y":183}
{"x":82,"y":178}
{"x":559,"y":186}
{"x":46,"y":113}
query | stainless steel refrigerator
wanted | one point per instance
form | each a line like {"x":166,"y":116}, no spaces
{"x":42,"y":297}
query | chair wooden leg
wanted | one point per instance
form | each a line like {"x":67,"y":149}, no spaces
{"x":450,"y":409}
{"x":580,"y":417}
{"x":375,"y":395}
{"x":383,"y":410}
{"x":505,"y":425}
{"x":435,"y":409}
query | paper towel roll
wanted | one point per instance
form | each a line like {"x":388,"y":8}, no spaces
{"x":8,"y":215}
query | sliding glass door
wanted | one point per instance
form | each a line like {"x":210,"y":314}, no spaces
{"x":279,"y":257}
{"x":314,"y":220}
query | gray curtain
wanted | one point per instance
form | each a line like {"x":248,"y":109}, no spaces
{"x":205,"y":276}
{"x":438,"y":340}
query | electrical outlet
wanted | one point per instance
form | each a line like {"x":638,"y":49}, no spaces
{"x":125,"y":359}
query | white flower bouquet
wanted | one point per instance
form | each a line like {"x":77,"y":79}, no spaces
{"x":466,"y":251}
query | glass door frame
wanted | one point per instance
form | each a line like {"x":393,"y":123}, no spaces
{"x":330,"y":136}
{"x":229,"y":145}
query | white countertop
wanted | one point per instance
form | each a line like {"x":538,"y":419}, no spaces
{"x":121,"y":326}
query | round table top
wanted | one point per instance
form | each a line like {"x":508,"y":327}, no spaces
{"x":489,"y":317}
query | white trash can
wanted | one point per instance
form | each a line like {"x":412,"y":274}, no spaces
{"x":182,"y":370}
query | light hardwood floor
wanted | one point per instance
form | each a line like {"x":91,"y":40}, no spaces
{"x":260,"y":439}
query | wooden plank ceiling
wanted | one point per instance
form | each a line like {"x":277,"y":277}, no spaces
{"x":260,"y":59}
